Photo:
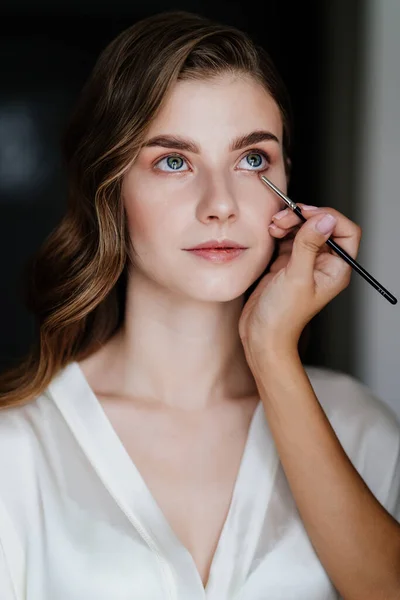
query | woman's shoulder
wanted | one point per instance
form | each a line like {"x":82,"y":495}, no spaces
{"x":346,"y":399}
{"x":367,"y":428}
{"x":21,"y":429}
{"x":19,"y":465}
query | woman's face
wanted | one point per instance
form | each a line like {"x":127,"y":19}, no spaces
{"x":177,"y":197}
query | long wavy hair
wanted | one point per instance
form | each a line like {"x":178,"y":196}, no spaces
{"x":75,"y":284}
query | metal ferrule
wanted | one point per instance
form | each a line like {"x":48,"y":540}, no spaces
{"x":286,"y":200}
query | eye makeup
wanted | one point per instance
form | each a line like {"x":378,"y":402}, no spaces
{"x":262,"y":153}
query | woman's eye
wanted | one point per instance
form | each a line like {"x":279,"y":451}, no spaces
{"x":173,"y":162}
{"x":256,"y":160}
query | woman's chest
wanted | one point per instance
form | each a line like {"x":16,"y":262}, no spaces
{"x":97,"y":534}
{"x":77,"y":555}
{"x":81,"y":558}
{"x":190,"y":467}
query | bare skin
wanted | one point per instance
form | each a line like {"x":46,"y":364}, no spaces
{"x":188,"y":459}
{"x":176,"y":372}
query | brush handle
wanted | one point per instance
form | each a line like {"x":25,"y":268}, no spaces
{"x":354,"y":264}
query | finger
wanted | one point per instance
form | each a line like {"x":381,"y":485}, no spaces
{"x":285,"y":252}
{"x":346,"y":233}
{"x":279,"y":232}
{"x":285,"y":234}
{"x":308,"y":243}
{"x":287,"y":218}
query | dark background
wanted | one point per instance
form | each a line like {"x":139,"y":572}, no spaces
{"x":46,"y":53}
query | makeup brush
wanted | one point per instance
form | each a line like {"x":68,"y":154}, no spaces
{"x":342,"y":253}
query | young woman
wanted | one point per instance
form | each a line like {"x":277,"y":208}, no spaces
{"x":163,"y":439}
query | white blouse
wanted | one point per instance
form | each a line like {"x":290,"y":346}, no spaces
{"x":77,"y":521}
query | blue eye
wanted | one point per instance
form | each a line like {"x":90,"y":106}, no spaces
{"x":254,"y":159}
{"x":173,"y":161}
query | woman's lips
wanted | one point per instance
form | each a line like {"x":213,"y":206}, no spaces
{"x":218,"y":255}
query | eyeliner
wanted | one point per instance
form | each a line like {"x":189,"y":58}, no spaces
{"x":342,"y":253}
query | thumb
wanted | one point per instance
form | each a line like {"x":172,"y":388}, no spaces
{"x":308,"y":242}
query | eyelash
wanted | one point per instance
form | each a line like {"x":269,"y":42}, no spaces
{"x":252,"y":151}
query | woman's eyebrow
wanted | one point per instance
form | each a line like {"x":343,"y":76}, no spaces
{"x":178,"y":143}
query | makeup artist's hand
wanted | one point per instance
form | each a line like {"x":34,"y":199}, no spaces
{"x":306,"y":275}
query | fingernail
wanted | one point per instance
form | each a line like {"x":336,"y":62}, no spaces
{"x":281,"y":214}
{"x":326,"y":224}
{"x":309,"y":207}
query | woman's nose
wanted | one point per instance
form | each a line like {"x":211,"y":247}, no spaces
{"x":218,"y":200}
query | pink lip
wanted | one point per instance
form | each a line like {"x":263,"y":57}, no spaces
{"x":211,"y":244}
{"x":218,"y":255}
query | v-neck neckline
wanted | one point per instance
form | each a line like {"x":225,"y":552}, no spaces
{"x":258,"y":465}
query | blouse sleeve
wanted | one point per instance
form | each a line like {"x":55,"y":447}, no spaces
{"x":367,"y":428}
{"x":6,"y":586}
{"x":12,"y":563}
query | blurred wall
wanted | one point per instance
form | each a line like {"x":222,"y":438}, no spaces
{"x":376,"y":325}
{"x":359,"y":140}
{"x":333,"y":173}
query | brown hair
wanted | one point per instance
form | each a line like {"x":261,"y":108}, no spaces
{"x":76,"y":282}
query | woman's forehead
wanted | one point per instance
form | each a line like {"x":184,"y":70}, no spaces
{"x":226,"y":106}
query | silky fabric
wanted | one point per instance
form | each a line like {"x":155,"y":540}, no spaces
{"x":77,"y":521}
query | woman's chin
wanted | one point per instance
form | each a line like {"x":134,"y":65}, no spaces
{"x":221,"y":293}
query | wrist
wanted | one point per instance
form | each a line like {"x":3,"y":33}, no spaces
{"x":277,"y":373}
{"x":280,"y":347}
{"x":275,"y":354}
